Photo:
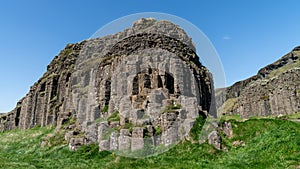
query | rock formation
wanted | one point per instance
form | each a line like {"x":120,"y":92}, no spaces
{"x":274,"y":91}
{"x":143,"y":86}
{"x":43,"y":104}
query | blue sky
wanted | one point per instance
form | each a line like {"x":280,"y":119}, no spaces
{"x":247,"y":34}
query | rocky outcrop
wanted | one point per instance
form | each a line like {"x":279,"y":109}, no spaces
{"x":43,"y":105}
{"x":138,"y":88}
{"x":274,"y":91}
{"x":148,"y":89}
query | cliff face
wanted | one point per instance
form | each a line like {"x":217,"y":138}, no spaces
{"x":144,"y":82}
{"x":274,"y":91}
{"x":41,"y":106}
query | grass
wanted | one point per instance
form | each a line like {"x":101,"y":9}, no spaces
{"x":114,"y":117}
{"x":231,"y":117}
{"x":292,"y":116}
{"x":99,"y":120}
{"x":195,"y":134}
{"x":172,"y":107}
{"x":129,"y":126}
{"x":157,"y":131}
{"x":229,"y":105}
{"x":105,"y":109}
{"x":269,"y":143}
{"x":283,"y":69}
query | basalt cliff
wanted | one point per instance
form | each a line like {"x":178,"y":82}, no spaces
{"x":145,"y":87}
{"x":274,"y":91}
{"x":117,"y":90}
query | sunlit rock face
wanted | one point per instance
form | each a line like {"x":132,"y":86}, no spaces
{"x":274,"y":91}
{"x":143,"y":86}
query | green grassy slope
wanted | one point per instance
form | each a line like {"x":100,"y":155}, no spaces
{"x":264,"y":143}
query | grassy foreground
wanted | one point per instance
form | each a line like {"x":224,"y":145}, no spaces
{"x":257,"y":143}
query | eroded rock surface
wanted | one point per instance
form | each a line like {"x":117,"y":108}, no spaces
{"x":143,"y":86}
{"x":274,"y":91}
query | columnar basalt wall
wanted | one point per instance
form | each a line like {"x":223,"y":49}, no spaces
{"x":43,"y":104}
{"x":144,"y":82}
{"x":149,"y":83}
{"x":274,"y":91}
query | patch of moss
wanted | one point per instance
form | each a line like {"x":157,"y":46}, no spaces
{"x":52,"y":75}
{"x":128,"y":126}
{"x":105,"y":109}
{"x":108,"y":133}
{"x":264,"y":97}
{"x":90,"y":63}
{"x":235,"y":117}
{"x":42,"y":93}
{"x":172,"y":107}
{"x":284,"y":68}
{"x":291,"y":116}
{"x":66,"y":51}
{"x":229,"y":105}
{"x":114,"y":117}
{"x":146,"y":134}
{"x":70,"y":121}
{"x":54,"y":99}
{"x":99,"y":120}
{"x":197,"y":128}
{"x":157,"y":130}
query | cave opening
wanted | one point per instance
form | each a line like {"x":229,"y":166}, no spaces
{"x":145,"y":79}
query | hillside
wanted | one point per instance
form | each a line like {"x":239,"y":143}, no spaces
{"x":256,"y":143}
{"x":274,"y":91}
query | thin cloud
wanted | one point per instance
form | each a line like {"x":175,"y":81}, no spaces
{"x":226,"y":38}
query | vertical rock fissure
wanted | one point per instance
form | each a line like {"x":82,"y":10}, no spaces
{"x":135,"y":86}
{"x":107,"y":91}
{"x":169,"y":83}
{"x":17,"y":118}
